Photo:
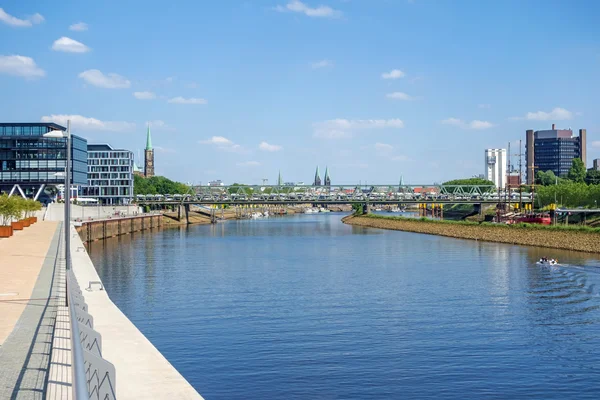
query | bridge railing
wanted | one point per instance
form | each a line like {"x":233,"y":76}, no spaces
{"x":306,"y":193}
{"x":93,"y":376}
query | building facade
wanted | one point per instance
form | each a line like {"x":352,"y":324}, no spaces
{"x":596,"y":164}
{"x":110,"y":174}
{"x":553,"y":150}
{"x":148,"y":156}
{"x":495,"y":167}
{"x":33,"y":166}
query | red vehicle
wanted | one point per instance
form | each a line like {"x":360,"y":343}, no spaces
{"x":543,"y":219}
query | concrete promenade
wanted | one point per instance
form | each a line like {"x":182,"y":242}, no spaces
{"x":35,"y":348}
{"x":142,"y":371}
{"x":28,"y":305}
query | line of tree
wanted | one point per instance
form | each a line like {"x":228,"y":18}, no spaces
{"x":577,"y":173}
{"x":158,"y":185}
{"x":580,"y":188}
{"x":484,"y":184}
{"x":14,"y":208}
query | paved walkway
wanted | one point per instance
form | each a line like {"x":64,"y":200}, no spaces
{"x":28,"y":305}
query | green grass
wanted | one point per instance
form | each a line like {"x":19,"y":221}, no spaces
{"x":573,"y":228}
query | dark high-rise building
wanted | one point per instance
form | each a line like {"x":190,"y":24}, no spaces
{"x":148,"y":156}
{"x":553,"y":150}
{"x":317,"y":181}
{"x":32,"y":165}
{"x":327,"y":179}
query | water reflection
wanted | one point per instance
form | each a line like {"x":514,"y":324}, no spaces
{"x":307,"y":307}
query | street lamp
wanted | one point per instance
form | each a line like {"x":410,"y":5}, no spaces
{"x":66,"y":134}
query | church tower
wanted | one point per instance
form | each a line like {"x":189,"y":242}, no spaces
{"x":317,"y":181}
{"x":327,"y":179}
{"x":148,"y":156}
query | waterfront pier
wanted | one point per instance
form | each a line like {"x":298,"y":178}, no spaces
{"x":37,"y":358}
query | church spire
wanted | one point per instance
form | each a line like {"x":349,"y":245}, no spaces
{"x":317,"y":181}
{"x":148,"y":139}
{"x":279,"y":180}
{"x":327,"y":179}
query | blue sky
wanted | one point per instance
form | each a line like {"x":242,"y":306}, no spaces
{"x":237,"y":90}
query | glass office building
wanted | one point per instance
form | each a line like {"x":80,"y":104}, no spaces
{"x":110,"y":174}
{"x":553,"y":150}
{"x":33,"y":166}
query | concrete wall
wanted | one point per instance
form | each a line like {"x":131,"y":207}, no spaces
{"x":56,"y":212}
{"x":90,"y":231}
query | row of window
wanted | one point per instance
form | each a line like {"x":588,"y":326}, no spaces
{"x":24,"y":130}
{"x":108,"y":169}
{"x":111,"y":161}
{"x":120,"y":154}
{"x":110,"y":176}
{"x":94,"y":182}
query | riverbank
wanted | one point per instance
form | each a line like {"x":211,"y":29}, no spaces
{"x":555,"y":238}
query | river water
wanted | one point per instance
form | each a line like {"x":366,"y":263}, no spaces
{"x":305,"y":307}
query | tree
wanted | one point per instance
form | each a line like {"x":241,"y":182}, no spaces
{"x":592,"y":177}
{"x":577,"y":172}
{"x":484,"y":184}
{"x":158,"y":185}
{"x":545,"y":178}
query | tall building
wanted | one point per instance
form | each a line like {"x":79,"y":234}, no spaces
{"x":327,"y":179}
{"x":32,"y":165}
{"x":495,"y":167}
{"x":317,"y":181}
{"x":596,"y":164}
{"x":148,"y":156}
{"x":110,"y":174}
{"x":553,"y":150}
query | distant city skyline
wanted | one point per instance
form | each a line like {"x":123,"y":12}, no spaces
{"x":369,"y":89}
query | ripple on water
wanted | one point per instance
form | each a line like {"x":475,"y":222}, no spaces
{"x":306,"y":307}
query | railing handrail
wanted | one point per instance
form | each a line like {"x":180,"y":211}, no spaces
{"x":79,"y":381}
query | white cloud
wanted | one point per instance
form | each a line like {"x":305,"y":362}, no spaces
{"x":557,"y":114}
{"x":69,"y":45}
{"x":144,"y":95}
{"x":475,"y":124}
{"x":264,"y":146}
{"x":321,"y":64}
{"x":110,"y":81}
{"x":79,"y":27}
{"x":182,"y":100}
{"x":248,"y":164}
{"x":318,"y":12}
{"x":383,"y":147}
{"x":20,"y":66}
{"x":596,"y":144}
{"x":342,"y":128}
{"x":165,"y":150}
{"x":20,"y":23}
{"x":160,"y":125}
{"x":399,"y":96}
{"x":89,"y":124}
{"x":224,"y":144}
{"x":393,"y":74}
{"x":218,"y":140}
{"x":484,"y":106}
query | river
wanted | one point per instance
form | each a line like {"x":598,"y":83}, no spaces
{"x":305,"y":307}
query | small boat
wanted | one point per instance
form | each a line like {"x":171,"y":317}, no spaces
{"x":310,"y":211}
{"x":322,"y":209}
{"x":547,"y":262}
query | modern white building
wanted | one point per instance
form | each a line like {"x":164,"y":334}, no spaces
{"x":110,"y":174}
{"x":495,"y":166}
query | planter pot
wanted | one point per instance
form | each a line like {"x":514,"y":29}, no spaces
{"x":33,"y":220}
{"x":17,"y":226}
{"x":26,"y":222}
{"x":6,"y":231}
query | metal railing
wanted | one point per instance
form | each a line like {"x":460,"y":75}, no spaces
{"x":92,"y":376}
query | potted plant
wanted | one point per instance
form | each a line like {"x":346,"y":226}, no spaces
{"x":8,"y":210}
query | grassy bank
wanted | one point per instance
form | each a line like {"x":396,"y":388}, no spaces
{"x":577,"y":238}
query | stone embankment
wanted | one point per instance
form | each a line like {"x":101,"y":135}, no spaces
{"x":557,"y":239}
